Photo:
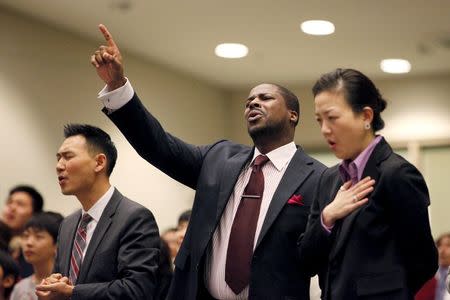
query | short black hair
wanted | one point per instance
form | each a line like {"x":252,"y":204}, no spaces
{"x":97,"y":140}
{"x":185,"y":216}
{"x":358,"y":90}
{"x":9,"y":267}
{"x":290,"y":98}
{"x":48,"y":221}
{"x":36,"y":198}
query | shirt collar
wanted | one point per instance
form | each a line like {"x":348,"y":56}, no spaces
{"x":347,"y":167}
{"x":97,"y":209}
{"x":280,"y":156}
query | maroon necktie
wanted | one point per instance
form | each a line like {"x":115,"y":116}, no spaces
{"x":78,"y":247}
{"x":242,"y":236}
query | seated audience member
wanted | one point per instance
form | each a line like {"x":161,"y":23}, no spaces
{"x":23,"y":201}
{"x":183,"y":220}
{"x":38,"y":242}
{"x":170,"y":236}
{"x":435,"y":288}
{"x":9,"y":273}
{"x":5,"y":236}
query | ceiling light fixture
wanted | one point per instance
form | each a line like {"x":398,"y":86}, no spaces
{"x":231,"y":50}
{"x":121,"y":5}
{"x":395,"y":66}
{"x":317,"y":27}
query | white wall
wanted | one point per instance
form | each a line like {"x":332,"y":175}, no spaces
{"x":46,"y":81}
{"x":436,"y":169}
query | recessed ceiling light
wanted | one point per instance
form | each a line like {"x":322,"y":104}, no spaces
{"x":317,"y":27}
{"x":231,"y":50}
{"x":395,"y":66}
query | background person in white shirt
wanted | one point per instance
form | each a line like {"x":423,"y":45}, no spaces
{"x":38,"y":243}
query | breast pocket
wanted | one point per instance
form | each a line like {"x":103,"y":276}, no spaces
{"x":293,"y":219}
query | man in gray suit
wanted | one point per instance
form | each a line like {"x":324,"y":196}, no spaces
{"x":109,"y":249}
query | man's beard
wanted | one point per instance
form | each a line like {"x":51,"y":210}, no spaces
{"x":269,"y":131}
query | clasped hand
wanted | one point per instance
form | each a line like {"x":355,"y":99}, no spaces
{"x":54,"y":287}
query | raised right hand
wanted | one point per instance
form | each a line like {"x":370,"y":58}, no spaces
{"x":107,"y":61}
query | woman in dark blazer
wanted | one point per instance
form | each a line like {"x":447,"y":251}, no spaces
{"x":368,"y":236}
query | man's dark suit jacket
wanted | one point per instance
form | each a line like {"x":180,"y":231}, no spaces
{"x":122,"y":257}
{"x":383,"y":250}
{"x":213,"y":171}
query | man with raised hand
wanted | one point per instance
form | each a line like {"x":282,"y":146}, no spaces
{"x":251,"y":203}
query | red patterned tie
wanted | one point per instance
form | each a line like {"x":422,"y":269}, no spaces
{"x":242,"y":236}
{"x":78,"y":247}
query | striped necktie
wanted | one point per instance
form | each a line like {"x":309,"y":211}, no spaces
{"x":79,"y":245}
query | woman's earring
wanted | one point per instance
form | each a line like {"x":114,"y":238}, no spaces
{"x":367,"y":126}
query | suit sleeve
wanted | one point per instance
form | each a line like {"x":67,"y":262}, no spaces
{"x":137,"y":263}
{"x":179,"y":160}
{"x":408,"y":197}
{"x":315,"y":244}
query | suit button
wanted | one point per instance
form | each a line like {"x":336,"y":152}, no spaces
{"x":196,"y":267}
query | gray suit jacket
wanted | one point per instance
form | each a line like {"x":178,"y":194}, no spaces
{"x":122,"y":256}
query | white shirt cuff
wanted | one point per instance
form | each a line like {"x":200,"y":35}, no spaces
{"x":113,"y":100}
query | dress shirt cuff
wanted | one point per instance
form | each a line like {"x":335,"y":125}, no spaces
{"x":113,"y":100}
{"x":327,"y":228}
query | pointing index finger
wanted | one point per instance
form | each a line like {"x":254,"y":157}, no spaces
{"x":107,"y":35}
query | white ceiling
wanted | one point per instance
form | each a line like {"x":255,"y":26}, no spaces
{"x":183,"y":34}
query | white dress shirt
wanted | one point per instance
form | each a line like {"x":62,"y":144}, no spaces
{"x":216,"y":259}
{"x":96,"y":212}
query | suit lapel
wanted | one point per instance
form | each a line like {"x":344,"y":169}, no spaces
{"x":296,"y":173}
{"x":66,"y":238}
{"x":99,"y":232}
{"x":230,"y":175}
{"x":379,"y":154}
